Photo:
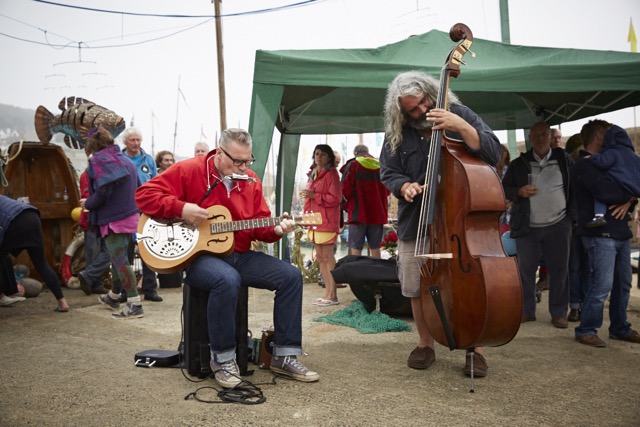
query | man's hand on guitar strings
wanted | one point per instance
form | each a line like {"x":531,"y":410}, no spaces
{"x":193,"y":213}
{"x":286,"y":226}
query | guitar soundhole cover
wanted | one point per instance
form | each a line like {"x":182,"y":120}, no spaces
{"x":169,"y":241}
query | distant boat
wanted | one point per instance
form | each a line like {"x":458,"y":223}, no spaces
{"x":44,"y":175}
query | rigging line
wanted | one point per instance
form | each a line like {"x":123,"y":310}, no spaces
{"x":122,"y":36}
{"x":33,"y":41}
{"x":46,"y":37}
{"x":107,"y":46}
{"x":150,"y":40}
{"x":252,"y":12}
{"x":33,"y":26}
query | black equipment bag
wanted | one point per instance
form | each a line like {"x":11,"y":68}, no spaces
{"x":157,"y":358}
{"x":360,"y":268}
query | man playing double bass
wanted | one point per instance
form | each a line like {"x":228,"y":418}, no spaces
{"x":409,"y":118}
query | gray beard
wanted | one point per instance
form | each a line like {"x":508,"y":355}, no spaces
{"x":419,"y":124}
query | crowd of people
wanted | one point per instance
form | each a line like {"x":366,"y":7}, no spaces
{"x":568,"y":212}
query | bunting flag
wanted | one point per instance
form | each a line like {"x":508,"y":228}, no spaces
{"x":631,"y":38}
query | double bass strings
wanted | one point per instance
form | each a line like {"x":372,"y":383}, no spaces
{"x":427,"y":207}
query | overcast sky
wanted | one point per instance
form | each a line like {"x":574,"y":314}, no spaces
{"x":132,"y":64}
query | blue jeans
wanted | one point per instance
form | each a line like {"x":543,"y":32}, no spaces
{"x":97,"y":259}
{"x":578,"y":273}
{"x":222,"y":278}
{"x":609,"y":272}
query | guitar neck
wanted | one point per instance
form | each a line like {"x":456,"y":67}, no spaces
{"x":245,"y":224}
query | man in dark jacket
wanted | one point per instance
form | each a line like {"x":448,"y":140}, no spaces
{"x":410,"y":118}
{"x":608,"y":247}
{"x":541,"y":221}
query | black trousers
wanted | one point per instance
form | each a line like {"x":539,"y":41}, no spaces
{"x":25,"y":233}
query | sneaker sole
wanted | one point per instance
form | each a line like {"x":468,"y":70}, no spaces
{"x":227,"y":384}
{"x":297,"y":377}
{"x":133,"y":316}
{"x":108,"y":306}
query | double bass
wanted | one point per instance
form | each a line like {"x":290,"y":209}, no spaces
{"x":470,"y":289}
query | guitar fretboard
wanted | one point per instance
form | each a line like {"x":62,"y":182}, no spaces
{"x":245,"y":224}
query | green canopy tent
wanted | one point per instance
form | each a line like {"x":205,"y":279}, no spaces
{"x":338,"y":91}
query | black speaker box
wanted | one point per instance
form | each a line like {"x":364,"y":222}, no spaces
{"x":196,"y":336}
{"x":173,"y":280}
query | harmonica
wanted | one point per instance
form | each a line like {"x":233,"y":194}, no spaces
{"x":239,"y":177}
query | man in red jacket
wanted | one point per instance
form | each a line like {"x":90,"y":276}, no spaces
{"x":222,"y":178}
{"x":365,"y":200}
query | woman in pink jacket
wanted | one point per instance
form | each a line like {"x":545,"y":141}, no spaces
{"x":323,"y":195}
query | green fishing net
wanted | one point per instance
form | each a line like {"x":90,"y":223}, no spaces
{"x":356,"y":316}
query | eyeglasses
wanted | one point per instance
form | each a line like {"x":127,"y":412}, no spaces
{"x":239,"y":162}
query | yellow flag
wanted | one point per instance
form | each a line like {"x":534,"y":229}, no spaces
{"x":632,"y":37}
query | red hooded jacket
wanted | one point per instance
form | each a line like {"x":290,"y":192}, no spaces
{"x":84,"y":194}
{"x":366,"y":198}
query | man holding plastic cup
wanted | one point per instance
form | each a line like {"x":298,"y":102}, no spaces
{"x":537,"y":183}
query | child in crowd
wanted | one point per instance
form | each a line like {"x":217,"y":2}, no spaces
{"x":619,"y":159}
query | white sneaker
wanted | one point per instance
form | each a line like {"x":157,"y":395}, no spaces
{"x":131,"y":311}
{"x":6,"y":300}
{"x":291,"y":367}
{"x":227,"y":374}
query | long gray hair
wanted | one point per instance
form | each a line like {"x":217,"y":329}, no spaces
{"x":410,"y":83}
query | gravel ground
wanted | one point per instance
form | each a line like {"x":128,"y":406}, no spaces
{"x":77,"y":369}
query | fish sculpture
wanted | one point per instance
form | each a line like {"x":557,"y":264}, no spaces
{"x":78,"y":116}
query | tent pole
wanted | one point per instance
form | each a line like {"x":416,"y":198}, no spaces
{"x":512,"y":143}
{"x":281,"y":157}
{"x":635,"y":131}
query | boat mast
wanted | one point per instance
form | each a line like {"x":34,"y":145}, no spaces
{"x":175,"y":129}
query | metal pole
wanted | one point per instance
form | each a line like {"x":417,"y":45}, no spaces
{"x":222,"y":95}
{"x":505,"y":31}
{"x":153,"y":138}
{"x":175,"y":129}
